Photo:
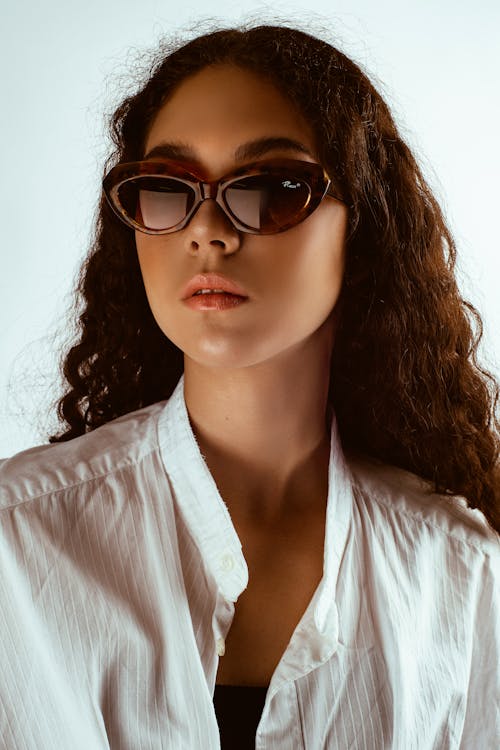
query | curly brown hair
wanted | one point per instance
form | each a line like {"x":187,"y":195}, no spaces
{"x":405,"y":384}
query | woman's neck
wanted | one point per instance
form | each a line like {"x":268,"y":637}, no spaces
{"x":263,"y":430}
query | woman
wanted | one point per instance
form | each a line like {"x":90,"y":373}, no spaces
{"x":273,"y":519}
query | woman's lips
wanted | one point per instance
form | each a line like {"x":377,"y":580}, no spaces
{"x":219,"y":301}
{"x":212,"y":281}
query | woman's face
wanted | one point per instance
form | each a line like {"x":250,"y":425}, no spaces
{"x":292,"y":279}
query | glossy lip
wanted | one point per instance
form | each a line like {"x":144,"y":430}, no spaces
{"x":217,"y":302}
{"x":212,"y":281}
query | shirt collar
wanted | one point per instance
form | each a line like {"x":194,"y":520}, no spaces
{"x":209,"y":521}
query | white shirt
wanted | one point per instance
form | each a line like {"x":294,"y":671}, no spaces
{"x":119,"y":572}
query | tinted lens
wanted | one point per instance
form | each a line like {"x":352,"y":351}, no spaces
{"x":156,"y":202}
{"x":267,"y":201}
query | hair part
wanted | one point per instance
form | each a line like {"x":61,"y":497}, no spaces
{"x":405,"y":384}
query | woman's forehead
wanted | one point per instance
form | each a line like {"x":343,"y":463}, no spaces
{"x":224,"y":107}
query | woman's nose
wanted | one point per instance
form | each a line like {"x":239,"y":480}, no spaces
{"x":210,"y":226}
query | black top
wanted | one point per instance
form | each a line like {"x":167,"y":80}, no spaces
{"x":238,"y":709}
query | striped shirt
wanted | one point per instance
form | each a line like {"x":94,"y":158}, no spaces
{"x":120,"y":569}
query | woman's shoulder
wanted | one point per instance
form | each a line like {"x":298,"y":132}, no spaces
{"x":397,"y":497}
{"x":53,"y":467}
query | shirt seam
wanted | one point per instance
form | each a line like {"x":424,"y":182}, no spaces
{"x":422,"y":519}
{"x":300,"y":713}
{"x":78,"y":483}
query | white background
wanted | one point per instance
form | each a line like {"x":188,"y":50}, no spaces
{"x":65,"y":64}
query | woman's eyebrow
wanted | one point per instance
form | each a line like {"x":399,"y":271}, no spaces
{"x":251,"y":150}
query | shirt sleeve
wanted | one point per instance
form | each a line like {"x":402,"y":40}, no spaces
{"x":482,"y":716}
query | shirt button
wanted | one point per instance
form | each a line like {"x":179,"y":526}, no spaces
{"x":227,"y":562}
{"x":221,"y":646}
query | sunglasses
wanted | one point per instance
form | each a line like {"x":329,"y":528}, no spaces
{"x":159,"y":197}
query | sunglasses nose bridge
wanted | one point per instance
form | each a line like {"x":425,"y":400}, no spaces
{"x":211,"y":190}
{"x":208,"y":190}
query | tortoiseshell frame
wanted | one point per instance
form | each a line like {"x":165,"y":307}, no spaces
{"x":314,"y":174}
